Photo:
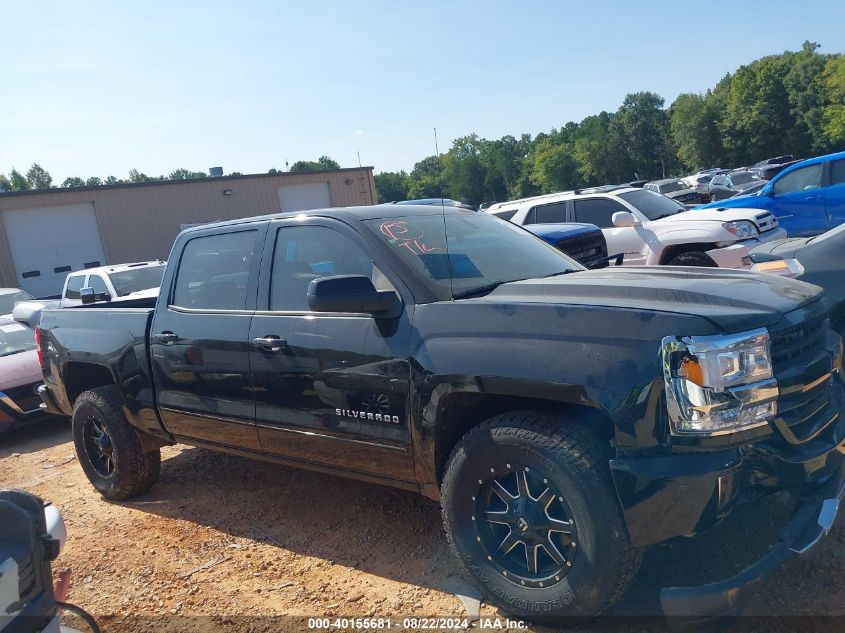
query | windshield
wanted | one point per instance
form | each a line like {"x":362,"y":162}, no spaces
{"x":652,"y":205}
{"x":136,"y":279}
{"x":7,"y":302}
{"x":482,"y":250}
{"x":15,"y":338}
{"x":669,"y":187}
{"x":743,"y":177}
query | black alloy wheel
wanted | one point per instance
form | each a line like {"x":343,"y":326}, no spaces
{"x":98,"y":445}
{"x":524,"y":521}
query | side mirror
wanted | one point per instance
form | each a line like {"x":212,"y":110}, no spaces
{"x":88,"y":296}
{"x":768,"y":190}
{"x":352,"y":293}
{"x":624,"y":219}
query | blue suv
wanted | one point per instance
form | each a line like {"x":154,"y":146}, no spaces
{"x":808,"y":198}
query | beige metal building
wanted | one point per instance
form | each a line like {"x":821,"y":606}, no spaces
{"x":46,"y":234}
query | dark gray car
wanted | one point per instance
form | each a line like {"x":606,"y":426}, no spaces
{"x":816,"y":260}
{"x":731,"y":184}
{"x":674,"y":188}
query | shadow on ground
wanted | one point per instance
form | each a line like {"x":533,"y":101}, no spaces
{"x":35,"y":436}
{"x":399,"y":535}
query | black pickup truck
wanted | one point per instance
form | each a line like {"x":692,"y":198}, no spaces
{"x":565,"y":418}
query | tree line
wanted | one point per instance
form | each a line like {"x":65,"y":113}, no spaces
{"x":792,"y":103}
{"x":37,"y":177}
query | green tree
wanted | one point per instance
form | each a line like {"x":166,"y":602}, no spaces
{"x":324,"y":162}
{"x":137,"y":176}
{"x":391,"y":186}
{"x":832,"y":85}
{"x":38,"y":177}
{"x":554,"y":165}
{"x":695,"y":131}
{"x":426,"y":179}
{"x":805,"y":96}
{"x":113,"y":180}
{"x":185,"y":174}
{"x":235,"y":173}
{"x":5,"y":183}
{"x":73,"y":181}
{"x":18,"y":181}
{"x":463,"y":173}
{"x":93,"y":181}
{"x":644,"y":125}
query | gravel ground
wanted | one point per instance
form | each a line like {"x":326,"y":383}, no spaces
{"x":224,"y":543}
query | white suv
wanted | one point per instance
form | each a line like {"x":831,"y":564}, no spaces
{"x":650,"y":228}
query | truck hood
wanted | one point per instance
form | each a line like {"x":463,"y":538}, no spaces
{"x":733,"y":300}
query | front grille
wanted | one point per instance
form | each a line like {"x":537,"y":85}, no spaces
{"x":687,"y":197}
{"x":25,"y":396}
{"x":585,"y":249}
{"x":766,"y":222}
{"x":803,"y":351}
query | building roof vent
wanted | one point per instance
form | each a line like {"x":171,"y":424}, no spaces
{"x":215,"y":171}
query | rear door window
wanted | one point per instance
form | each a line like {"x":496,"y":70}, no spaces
{"x":837,"y":172}
{"x":553,"y":213}
{"x":598,"y":211}
{"x":75,"y":283}
{"x":214,"y":271}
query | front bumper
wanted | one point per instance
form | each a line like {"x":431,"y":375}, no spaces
{"x":686,"y":494}
{"x":694,"y":607}
{"x":739,"y":255}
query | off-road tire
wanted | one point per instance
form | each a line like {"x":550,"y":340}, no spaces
{"x":575,"y":461}
{"x":134,"y":470}
{"x":692,"y":258}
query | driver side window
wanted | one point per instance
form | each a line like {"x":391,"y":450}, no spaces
{"x":96,"y":282}
{"x":803,"y":179}
{"x":305,"y":253}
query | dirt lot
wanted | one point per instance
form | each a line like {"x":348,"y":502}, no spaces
{"x":244,"y":544}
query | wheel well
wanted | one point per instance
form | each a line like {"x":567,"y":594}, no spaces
{"x":673,"y":251}
{"x":462,"y":411}
{"x":80,"y":377}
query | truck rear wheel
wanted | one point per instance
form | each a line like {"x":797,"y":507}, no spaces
{"x":108,"y":448}
{"x":532,"y":515}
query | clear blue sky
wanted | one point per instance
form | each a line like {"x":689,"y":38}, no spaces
{"x":100,"y":88}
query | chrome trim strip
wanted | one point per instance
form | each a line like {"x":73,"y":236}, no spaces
{"x":207,"y":416}
{"x":330,"y":437}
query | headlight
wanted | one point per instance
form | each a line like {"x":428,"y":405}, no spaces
{"x":719,"y":384}
{"x":742,"y":229}
{"x":783,"y":267}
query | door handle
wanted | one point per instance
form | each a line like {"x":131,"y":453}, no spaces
{"x":166,"y":338}
{"x":269,"y":343}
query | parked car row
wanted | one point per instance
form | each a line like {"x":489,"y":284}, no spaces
{"x":650,"y":228}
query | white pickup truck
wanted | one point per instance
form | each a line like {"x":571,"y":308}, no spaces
{"x":650,"y":228}
{"x":106,"y":283}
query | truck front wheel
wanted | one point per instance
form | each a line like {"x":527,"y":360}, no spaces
{"x":531,"y":514}
{"x":109,"y":450}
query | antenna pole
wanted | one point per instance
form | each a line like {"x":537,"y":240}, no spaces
{"x":359,"y":157}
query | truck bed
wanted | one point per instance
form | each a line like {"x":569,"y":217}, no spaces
{"x":89,"y":338}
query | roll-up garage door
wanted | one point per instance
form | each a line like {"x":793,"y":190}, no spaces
{"x":301,"y":197}
{"x":47,"y":243}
